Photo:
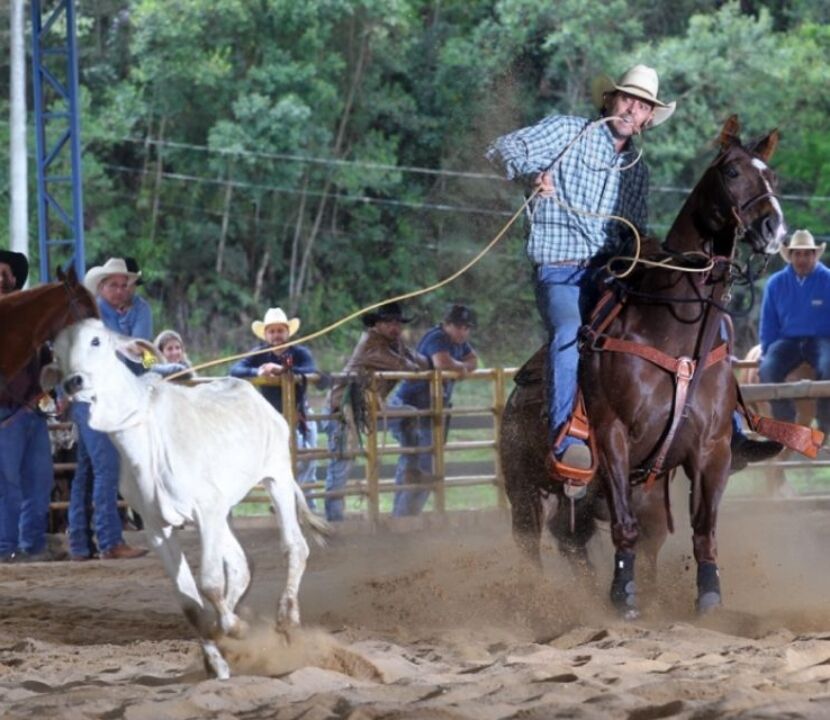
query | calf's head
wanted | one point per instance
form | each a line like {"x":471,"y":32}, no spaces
{"x":92,"y":367}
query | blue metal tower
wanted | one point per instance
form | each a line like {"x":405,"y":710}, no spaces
{"x":57,"y":135}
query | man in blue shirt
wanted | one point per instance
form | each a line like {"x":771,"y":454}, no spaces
{"x":584,"y":173}
{"x":275,"y":329}
{"x":795,"y":322}
{"x":94,"y":489}
{"x":447,"y":347}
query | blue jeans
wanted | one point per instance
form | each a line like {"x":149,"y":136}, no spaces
{"x":26,"y":479}
{"x":410,"y":433}
{"x":337,"y":472}
{"x":94,"y":489}
{"x":558,"y":290}
{"x":307,"y":469}
{"x":785,"y":355}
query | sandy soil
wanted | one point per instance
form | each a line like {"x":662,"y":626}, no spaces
{"x":435,"y":623}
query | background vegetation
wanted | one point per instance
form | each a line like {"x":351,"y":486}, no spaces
{"x":325,"y":154}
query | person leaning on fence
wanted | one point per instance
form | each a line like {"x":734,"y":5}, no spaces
{"x":26,"y":472}
{"x":447,"y":347}
{"x":795,"y":322}
{"x":94,"y":490}
{"x":380,"y":348}
{"x":171,"y":346}
{"x":275,"y":329}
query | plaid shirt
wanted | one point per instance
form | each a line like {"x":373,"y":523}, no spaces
{"x":587,"y":178}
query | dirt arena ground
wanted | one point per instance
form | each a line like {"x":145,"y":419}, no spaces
{"x":435,"y":623}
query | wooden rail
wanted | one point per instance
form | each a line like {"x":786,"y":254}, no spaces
{"x":374,"y":478}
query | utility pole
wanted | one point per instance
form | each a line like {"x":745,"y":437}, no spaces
{"x":19,"y":212}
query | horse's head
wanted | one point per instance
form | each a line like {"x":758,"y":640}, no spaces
{"x":80,"y":302}
{"x":741,"y":192}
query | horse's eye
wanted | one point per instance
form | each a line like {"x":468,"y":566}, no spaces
{"x":96,"y":341}
{"x":731,"y":172}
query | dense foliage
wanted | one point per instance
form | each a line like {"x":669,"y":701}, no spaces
{"x":326,"y":154}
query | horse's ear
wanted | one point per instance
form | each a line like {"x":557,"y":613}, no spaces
{"x":72,"y":275}
{"x":60,"y":274}
{"x":766,"y":146}
{"x":730,"y":133}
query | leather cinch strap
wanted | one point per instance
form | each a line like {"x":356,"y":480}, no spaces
{"x":802,"y":439}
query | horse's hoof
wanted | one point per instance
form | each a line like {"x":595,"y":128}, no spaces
{"x":708,"y":602}
{"x":630,"y":614}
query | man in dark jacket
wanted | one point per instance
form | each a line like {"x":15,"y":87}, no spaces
{"x":379,"y":348}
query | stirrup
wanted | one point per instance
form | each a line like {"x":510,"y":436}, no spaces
{"x":577,"y":427}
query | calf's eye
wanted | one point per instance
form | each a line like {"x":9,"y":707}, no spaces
{"x":95,"y":342}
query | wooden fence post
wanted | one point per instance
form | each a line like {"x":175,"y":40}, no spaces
{"x":438,"y":433}
{"x":498,"y":414}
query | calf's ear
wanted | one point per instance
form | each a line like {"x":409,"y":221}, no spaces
{"x":141,"y":352}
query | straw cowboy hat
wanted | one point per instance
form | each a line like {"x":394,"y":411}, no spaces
{"x":802,"y":240}
{"x":114,"y":266}
{"x":275,"y":316}
{"x":640,"y":81}
{"x":19,"y":265}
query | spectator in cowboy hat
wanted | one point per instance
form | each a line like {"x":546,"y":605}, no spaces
{"x":113,"y":285}
{"x":273,"y":330}
{"x":94,"y":490}
{"x":379,"y":348}
{"x":795,"y":322}
{"x":26,"y":474}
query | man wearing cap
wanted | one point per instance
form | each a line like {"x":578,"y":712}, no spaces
{"x":94,"y":490}
{"x":26,"y":473}
{"x":273,"y":330}
{"x":446,"y":346}
{"x":380,"y":348}
{"x":795,"y":322}
{"x":584,"y":172}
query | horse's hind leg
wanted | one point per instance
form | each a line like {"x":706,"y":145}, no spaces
{"x":526,"y":514}
{"x":573,"y":532}
{"x":294,"y":544}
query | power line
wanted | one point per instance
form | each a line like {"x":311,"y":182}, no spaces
{"x":365,"y":199}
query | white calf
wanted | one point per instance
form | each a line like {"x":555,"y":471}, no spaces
{"x":191,"y":454}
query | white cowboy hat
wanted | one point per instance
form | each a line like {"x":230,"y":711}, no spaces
{"x":275,"y":316}
{"x":640,"y":81}
{"x":114,"y":266}
{"x":802,"y":240}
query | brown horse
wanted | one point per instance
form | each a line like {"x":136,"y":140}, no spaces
{"x":31,"y":317}
{"x":631,"y":401}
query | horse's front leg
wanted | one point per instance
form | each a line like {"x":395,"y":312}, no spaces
{"x":708,"y":486}
{"x":614,"y":460}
